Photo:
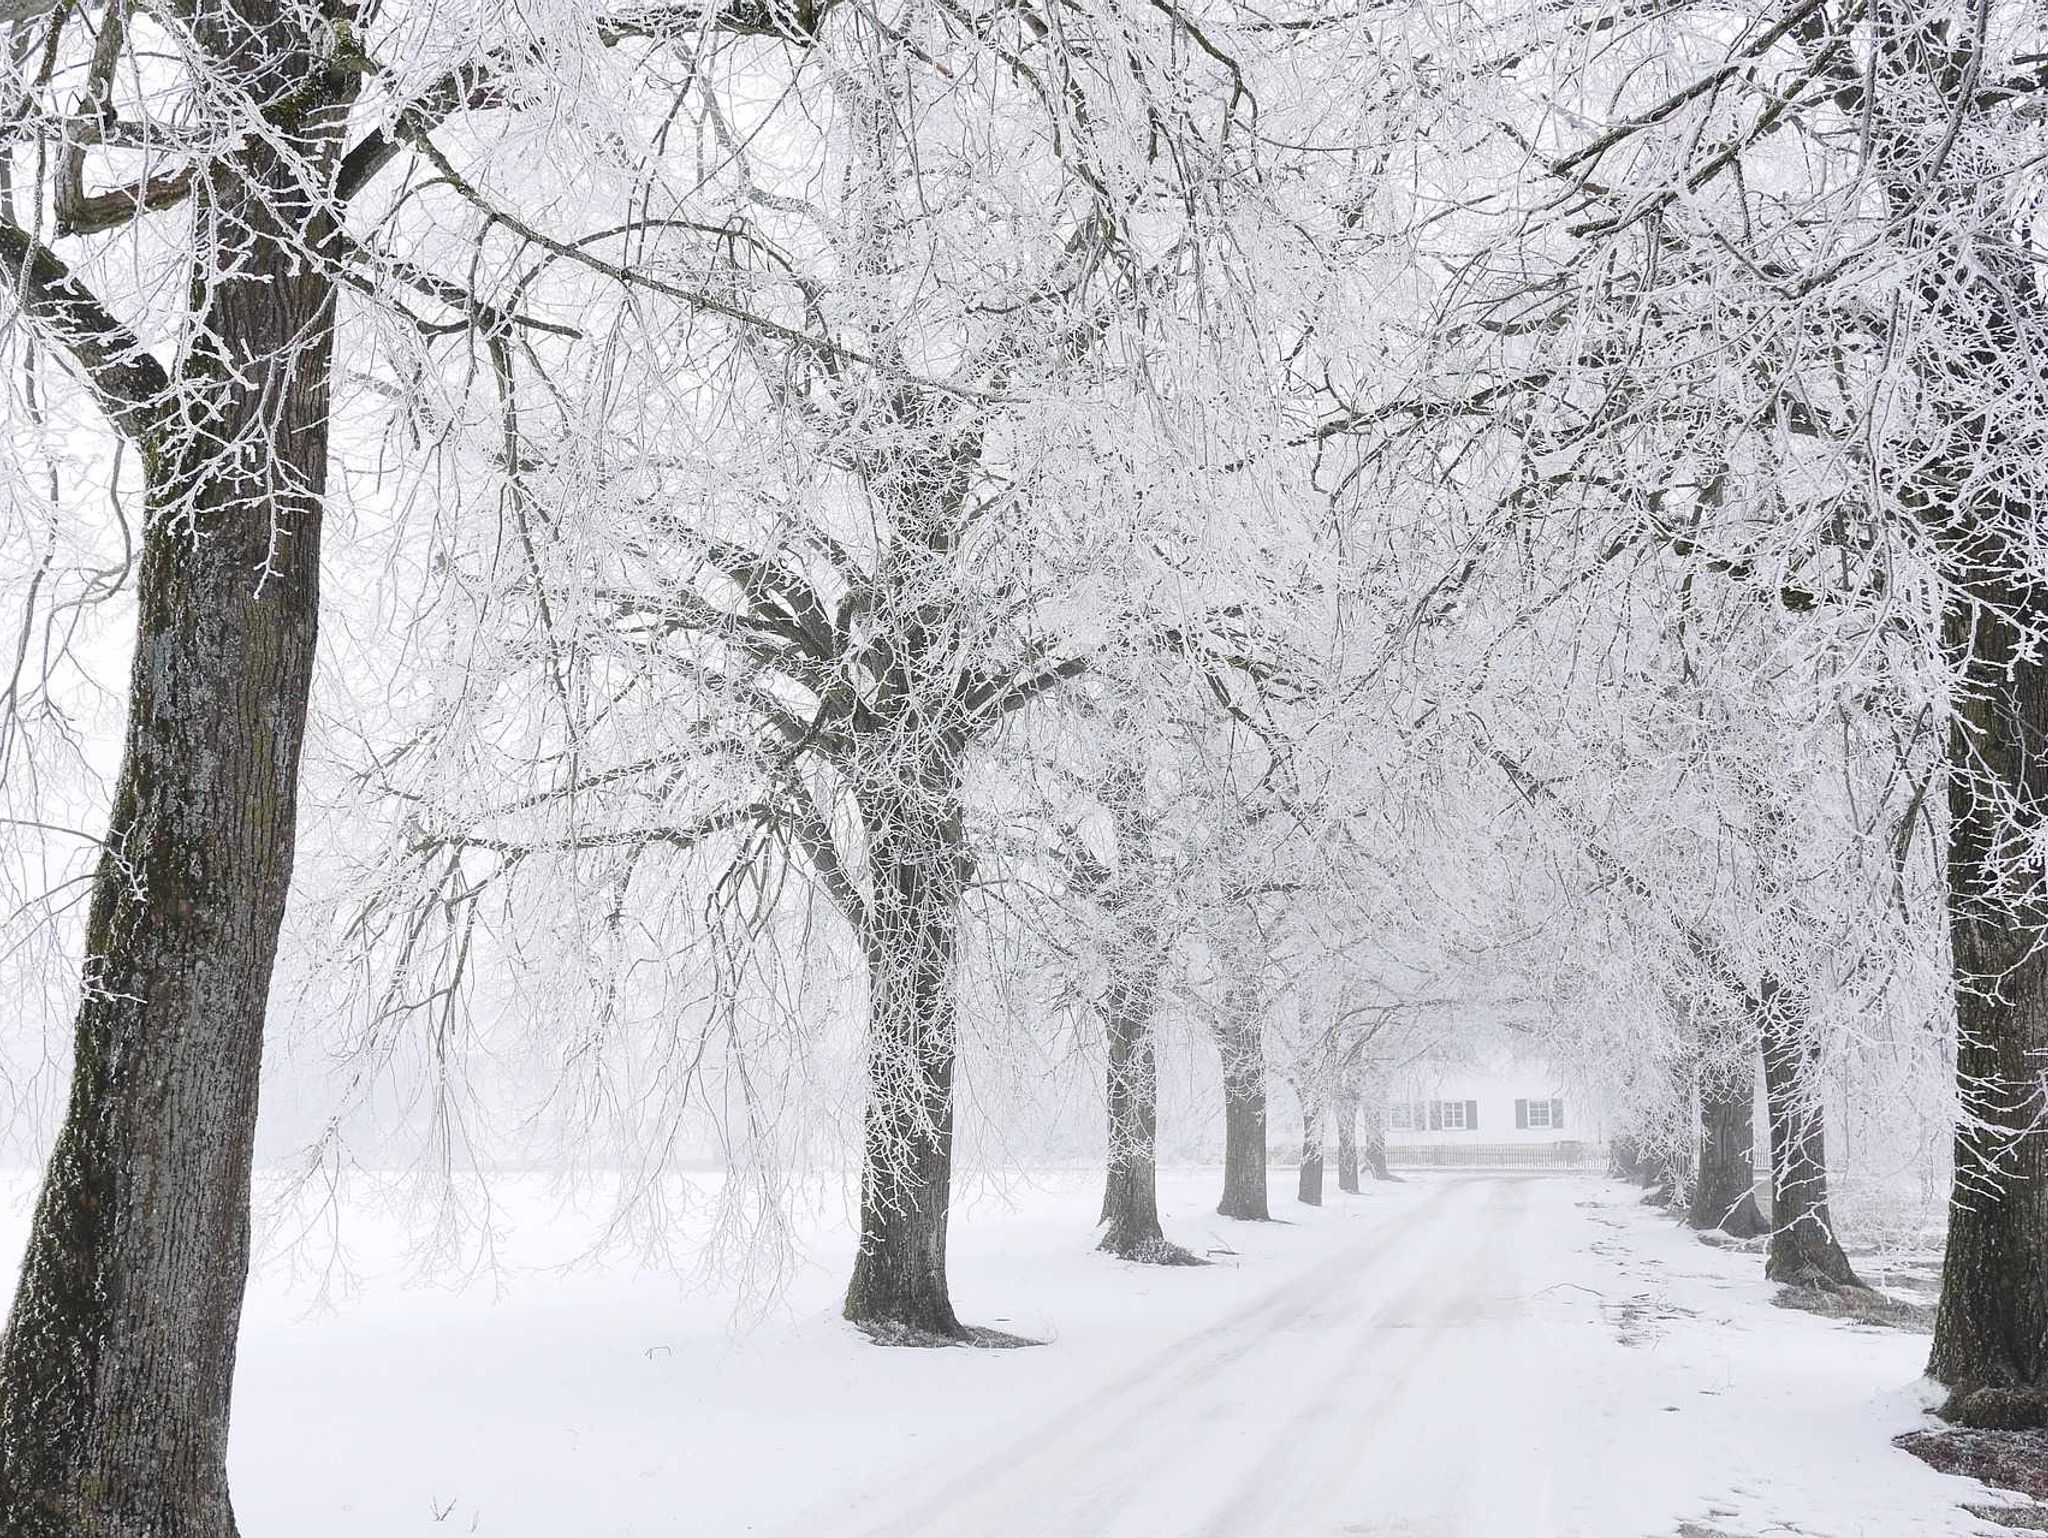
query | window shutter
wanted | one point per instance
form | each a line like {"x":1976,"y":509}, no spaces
{"x":1436,"y":1116}
{"x":1556,"y":1113}
{"x":1471,"y":1116}
{"x":1521,"y":1115}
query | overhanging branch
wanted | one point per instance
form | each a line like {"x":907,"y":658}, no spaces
{"x":123,"y":375}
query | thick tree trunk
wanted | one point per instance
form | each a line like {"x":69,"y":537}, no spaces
{"x":1376,"y":1151}
{"x":117,"y":1366}
{"x":1347,"y":1141}
{"x":1374,"y":1106}
{"x":898,"y":1293}
{"x":1309,"y":1190}
{"x":1130,"y":1199}
{"x":1244,"y":1122}
{"x":1803,"y":1250}
{"x":1724,"y":1188}
{"x":1980,"y":333}
{"x":1991,"y":1326}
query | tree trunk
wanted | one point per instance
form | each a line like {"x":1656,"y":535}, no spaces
{"x":1724,"y":1189}
{"x":1803,"y":1250}
{"x":1347,"y":1141}
{"x":1375,"y":1111}
{"x":1991,"y":1326}
{"x":1376,"y":1152}
{"x":117,"y":1367}
{"x":1624,"y":1158}
{"x":1244,"y":1122}
{"x":1130,"y":1199}
{"x":898,"y":1293}
{"x":1980,"y":332}
{"x":1661,"y":1177}
{"x":1309,"y":1191}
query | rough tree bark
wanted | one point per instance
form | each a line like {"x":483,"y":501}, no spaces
{"x":911,"y":739}
{"x":1991,"y":1326}
{"x":1309,"y":1189}
{"x":117,"y":1365}
{"x":1724,"y":1187}
{"x":1803,"y":1250}
{"x":1347,"y":1137}
{"x":898,"y":1292}
{"x":1130,"y":1198}
{"x":1244,"y":1115}
{"x":1138,"y":953}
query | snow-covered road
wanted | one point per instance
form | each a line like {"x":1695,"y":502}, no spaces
{"x":1447,"y":1358}
{"x":1299,"y":1412}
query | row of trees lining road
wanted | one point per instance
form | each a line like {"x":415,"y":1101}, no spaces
{"x":1803,"y":251}
{"x":1065,"y":526}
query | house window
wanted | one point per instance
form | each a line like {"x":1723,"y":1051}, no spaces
{"x":1433,"y":1116}
{"x":1540,"y":1115}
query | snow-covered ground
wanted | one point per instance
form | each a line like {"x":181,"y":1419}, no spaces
{"x":1448,"y":1358}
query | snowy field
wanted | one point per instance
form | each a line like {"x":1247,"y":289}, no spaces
{"x":1448,"y":1358}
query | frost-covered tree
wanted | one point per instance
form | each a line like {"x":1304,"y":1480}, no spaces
{"x":777,"y":597}
{"x":1805,"y":231}
{"x":116,"y":1367}
{"x":211,"y":233}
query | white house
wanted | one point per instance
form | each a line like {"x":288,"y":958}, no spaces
{"x":1487,"y":1110}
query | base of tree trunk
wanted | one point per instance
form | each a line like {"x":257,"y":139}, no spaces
{"x":1803,"y":1252}
{"x":1130,"y":1210}
{"x":1820,"y":1265}
{"x":1724,"y":1179}
{"x":1744,"y":1220}
{"x":1152,"y":1250}
{"x":1997,"y":1409}
{"x":1309,"y":1189}
{"x":888,"y":1332}
{"x":896,"y":1316}
{"x":1374,"y":1151}
{"x":1244,"y":1210}
{"x":1244,"y":1143}
{"x":1625,"y":1159}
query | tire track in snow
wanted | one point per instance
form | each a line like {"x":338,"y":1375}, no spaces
{"x":1316,"y":1458}
{"x":1199,"y":1439}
